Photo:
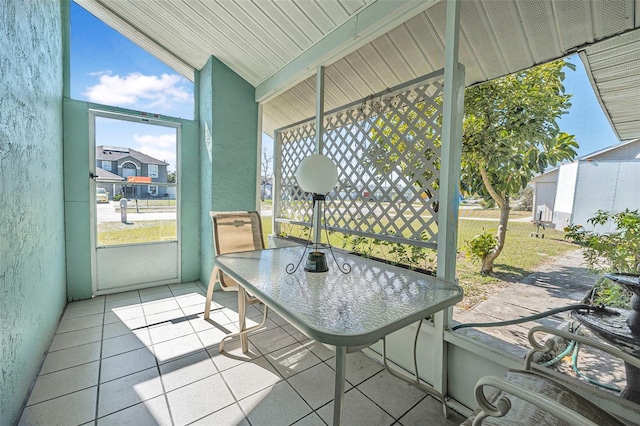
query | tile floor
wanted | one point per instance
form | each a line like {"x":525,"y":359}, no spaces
{"x":148,"y":357}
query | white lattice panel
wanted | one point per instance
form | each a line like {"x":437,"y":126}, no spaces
{"x":387,"y":149}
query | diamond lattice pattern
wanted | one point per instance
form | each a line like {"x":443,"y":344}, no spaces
{"x":387,"y":149}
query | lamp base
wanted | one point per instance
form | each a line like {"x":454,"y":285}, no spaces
{"x":316,"y":262}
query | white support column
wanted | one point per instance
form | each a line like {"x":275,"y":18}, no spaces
{"x":452,"y":113}
{"x":276,"y":191}
{"x":317,"y":211}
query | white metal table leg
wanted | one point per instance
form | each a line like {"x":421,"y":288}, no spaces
{"x":341,"y":365}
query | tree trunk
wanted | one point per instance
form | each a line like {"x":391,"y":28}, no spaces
{"x":505,"y":208}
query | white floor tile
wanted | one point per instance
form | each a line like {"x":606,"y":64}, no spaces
{"x":278,"y":404}
{"x":215,"y":319}
{"x":156,"y":297}
{"x":295,"y":333}
{"x":199,"y":399}
{"x":79,"y":323}
{"x":73,"y":409}
{"x":177,"y":348}
{"x":168,"y":331}
{"x":271,"y":340}
{"x":59,"y":383}
{"x":213,"y":336}
{"x":75,"y":311}
{"x":250,"y":377}
{"x":123,"y":303}
{"x":121,"y":344}
{"x":232,"y":355}
{"x":127,"y":312}
{"x":174,"y":314}
{"x":127,"y":363}
{"x":359,"y":367}
{"x":115,"y":329}
{"x":160,"y":306}
{"x":152,"y":290}
{"x":71,"y":357}
{"x":191,"y":299}
{"x":292,"y":359}
{"x":128,"y":391}
{"x":430,"y":410}
{"x":186,"y":288}
{"x":192,"y":311}
{"x":189,"y":369}
{"x":311,"y":420}
{"x":394,"y":395}
{"x":110,"y":317}
{"x":231,"y":415}
{"x":357,"y":410}
{"x":124,"y":295}
{"x":152,"y":412}
{"x":76,"y":338}
{"x":316,"y":385}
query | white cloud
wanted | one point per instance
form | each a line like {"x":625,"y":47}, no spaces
{"x":139,"y":91}
{"x":99,"y":73}
{"x":161,"y":147}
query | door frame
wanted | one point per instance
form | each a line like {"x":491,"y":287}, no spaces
{"x":143,"y":118}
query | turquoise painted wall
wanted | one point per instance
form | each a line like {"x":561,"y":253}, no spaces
{"x":32,"y":245}
{"x":228,"y":115}
{"x":76,"y":199}
{"x":77,"y":203}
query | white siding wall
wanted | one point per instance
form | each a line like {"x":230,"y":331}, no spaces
{"x":611,"y":186}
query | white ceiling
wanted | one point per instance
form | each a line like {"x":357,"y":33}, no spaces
{"x":614,"y":69}
{"x":369,"y":45}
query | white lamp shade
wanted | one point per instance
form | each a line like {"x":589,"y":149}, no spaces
{"x":317,"y":174}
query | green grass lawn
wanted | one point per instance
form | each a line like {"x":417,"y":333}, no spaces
{"x":113,"y":233}
{"x":520,"y":257}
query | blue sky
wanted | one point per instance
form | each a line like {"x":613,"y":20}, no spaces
{"x":107,"y":68}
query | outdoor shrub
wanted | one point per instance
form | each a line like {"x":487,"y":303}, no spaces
{"x":117,"y":197}
{"x":482,"y":244}
{"x":614,"y":251}
{"x":611,"y":294}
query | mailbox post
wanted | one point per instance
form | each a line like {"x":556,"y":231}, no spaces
{"x":123,"y":210}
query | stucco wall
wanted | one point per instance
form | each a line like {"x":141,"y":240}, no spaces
{"x":228,"y":116}
{"x":32,"y":266}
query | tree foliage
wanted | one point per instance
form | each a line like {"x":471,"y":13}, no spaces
{"x":614,"y":251}
{"x":510,"y":134}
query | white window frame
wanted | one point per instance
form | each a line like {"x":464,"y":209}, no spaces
{"x":106,"y":165}
{"x":153,"y":170}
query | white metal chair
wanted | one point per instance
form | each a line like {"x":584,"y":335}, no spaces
{"x":234,"y":232}
{"x":531,"y":398}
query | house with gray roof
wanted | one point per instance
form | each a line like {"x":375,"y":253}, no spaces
{"x":116,"y":164}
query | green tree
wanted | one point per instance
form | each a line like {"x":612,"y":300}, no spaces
{"x":511,"y":134}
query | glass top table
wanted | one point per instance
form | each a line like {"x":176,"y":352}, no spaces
{"x":342,"y":310}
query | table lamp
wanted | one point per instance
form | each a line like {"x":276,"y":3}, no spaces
{"x":317,"y":175}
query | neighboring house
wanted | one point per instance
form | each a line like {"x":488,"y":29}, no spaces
{"x":604,"y":180}
{"x":112,"y":188}
{"x":118,"y":163}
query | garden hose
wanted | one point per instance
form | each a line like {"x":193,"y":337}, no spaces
{"x":595,"y":308}
{"x":572,"y":346}
{"x":559,"y":357}
{"x":574,"y":365}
